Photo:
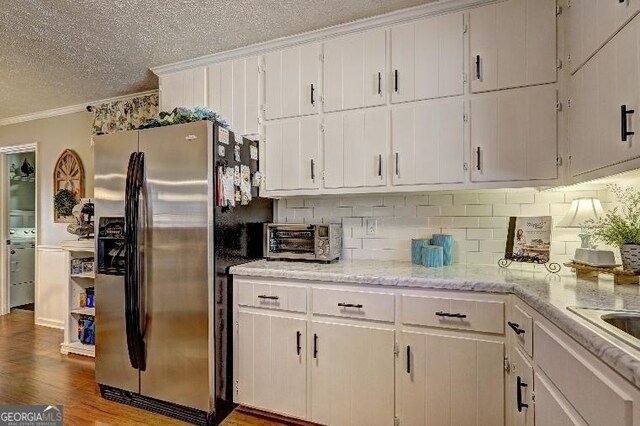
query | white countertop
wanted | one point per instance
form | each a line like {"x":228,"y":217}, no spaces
{"x":549,"y":294}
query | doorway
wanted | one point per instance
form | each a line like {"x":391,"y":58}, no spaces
{"x":18,"y":227}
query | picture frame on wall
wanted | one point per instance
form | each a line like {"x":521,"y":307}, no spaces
{"x":68,"y":178}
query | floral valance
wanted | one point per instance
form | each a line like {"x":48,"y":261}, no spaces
{"x":123,"y":115}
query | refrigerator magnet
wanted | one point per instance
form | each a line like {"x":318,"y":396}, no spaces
{"x":253,"y":151}
{"x":223,"y":136}
{"x":236,"y":152}
{"x":221,"y":151}
{"x":238,"y":138}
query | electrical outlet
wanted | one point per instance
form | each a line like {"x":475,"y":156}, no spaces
{"x":372,"y":226}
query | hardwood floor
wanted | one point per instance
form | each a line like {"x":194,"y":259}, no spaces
{"x":32,"y":371}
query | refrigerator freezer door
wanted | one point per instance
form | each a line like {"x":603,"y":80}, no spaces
{"x":177,"y":260}
{"x":111,"y":154}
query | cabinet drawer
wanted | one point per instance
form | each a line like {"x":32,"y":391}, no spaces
{"x":521,"y":326}
{"x":596,"y":398}
{"x":465,"y":314}
{"x":354,"y":304}
{"x":273,"y":296}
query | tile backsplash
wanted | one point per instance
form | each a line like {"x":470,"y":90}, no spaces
{"x":477,"y":220}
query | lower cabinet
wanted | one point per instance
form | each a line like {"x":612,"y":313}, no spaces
{"x":520,"y":389}
{"x":352,"y":374}
{"x":450,"y":380}
{"x":272,"y":363}
{"x":551,"y":409}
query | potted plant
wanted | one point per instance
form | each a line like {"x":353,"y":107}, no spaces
{"x":620,"y":227}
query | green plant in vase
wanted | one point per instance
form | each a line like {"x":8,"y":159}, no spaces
{"x":620,"y":226}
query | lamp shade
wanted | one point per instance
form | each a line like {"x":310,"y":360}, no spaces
{"x":581,"y":210}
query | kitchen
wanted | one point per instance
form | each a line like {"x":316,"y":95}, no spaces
{"x":429,"y":169}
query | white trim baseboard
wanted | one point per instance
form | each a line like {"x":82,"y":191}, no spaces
{"x":69,"y":109}
{"x":46,"y":322}
{"x":387,"y":19}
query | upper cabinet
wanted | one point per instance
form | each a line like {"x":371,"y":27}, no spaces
{"x":427,"y":58}
{"x":512,"y":44}
{"x":514,"y":135}
{"x":592,"y":23}
{"x":184,"y":88}
{"x":355,"y":71}
{"x":291,"y":81}
{"x":233,"y":92}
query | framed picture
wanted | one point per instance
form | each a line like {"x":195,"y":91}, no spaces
{"x":529,"y":239}
{"x":68,"y":174}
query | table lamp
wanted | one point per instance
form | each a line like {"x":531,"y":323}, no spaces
{"x":581,"y":210}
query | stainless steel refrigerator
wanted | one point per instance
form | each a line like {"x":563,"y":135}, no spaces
{"x":163,"y":249}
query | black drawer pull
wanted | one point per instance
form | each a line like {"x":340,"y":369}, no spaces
{"x":313,"y":101}
{"x":264,"y":296}
{"x":624,"y":132}
{"x":519,"y":385}
{"x":408,"y":359}
{"x":478,"y":158}
{"x":315,"y":345}
{"x":379,"y":165}
{"x":516,"y":328}
{"x":379,"y":83}
{"x":298,"y":347}
{"x":313,"y":170}
{"x":395,"y":80}
{"x":349,"y":305}
{"x":478,"y":67}
{"x":450,"y":315}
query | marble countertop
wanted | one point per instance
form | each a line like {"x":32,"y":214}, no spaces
{"x":549,"y":294}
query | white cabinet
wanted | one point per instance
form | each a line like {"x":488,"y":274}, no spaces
{"x":352,"y":375}
{"x":183,"y":89}
{"x":233,"y":92}
{"x":291,"y":81}
{"x":427,"y":58}
{"x":355,"y":71}
{"x":605,"y":105}
{"x":292,"y":153}
{"x":447,"y":380}
{"x":591,"y":23}
{"x":356,"y":146}
{"x":512,"y":44}
{"x":514,"y":135}
{"x":551,"y":408}
{"x":520,"y":390}
{"x":428,"y":142}
{"x":272,"y":363}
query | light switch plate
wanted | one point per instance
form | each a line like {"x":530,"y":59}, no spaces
{"x":372,"y":226}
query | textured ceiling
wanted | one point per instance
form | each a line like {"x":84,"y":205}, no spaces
{"x":57,"y":53}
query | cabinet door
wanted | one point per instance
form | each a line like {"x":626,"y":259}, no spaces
{"x":292,"y":152}
{"x":513,"y":44}
{"x":427,"y":58}
{"x":354,"y":69}
{"x":428,"y":142}
{"x":355,"y":149}
{"x":352,"y":375}
{"x":445,"y":380}
{"x":520,"y":389}
{"x":220,"y":90}
{"x":272,"y":363}
{"x":551,"y":408}
{"x":514,"y":135}
{"x":183,"y":89}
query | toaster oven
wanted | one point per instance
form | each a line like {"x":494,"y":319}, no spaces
{"x":302,"y":242}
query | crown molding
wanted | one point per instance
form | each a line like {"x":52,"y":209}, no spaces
{"x":69,"y":109}
{"x":392,"y":18}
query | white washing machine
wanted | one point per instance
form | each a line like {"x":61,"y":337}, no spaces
{"x":22,"y":271}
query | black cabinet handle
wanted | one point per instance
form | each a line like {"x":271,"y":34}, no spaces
{"x":315,"y":345}
{"x":349,"y":305}
{"x":313,"y":170}
{"x":397,"y":164}
{"x":519,"y":385}
{"x":623,"y":122}
{"x":478,"y":158}
{"x":313,"y":101}
{"x":408,"y":359}
{"x":264,"y":296}
{"x":477,"y":67}
{"x":379,"y":165}
{"x":379,"y":83}
{"x":395,"y":81}
{"x":450,"y":315}
{"x":298,"y":347}
{"x":516,"y":328}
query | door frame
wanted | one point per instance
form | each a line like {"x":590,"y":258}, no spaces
{"x":4,"y":222}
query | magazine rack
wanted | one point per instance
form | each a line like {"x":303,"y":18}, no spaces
{"x":551,"y":267}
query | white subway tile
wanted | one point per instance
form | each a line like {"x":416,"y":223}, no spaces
{"x":440,"y":199}
{"x":569,"y":196}
{"x":388,"y":211}
{"x":492,"y":246}
{"x":548,"y":197}
{"x":410,"y":211}
{"x":442,"y":222}
{"x":385,"y":243}
{"x":465,"y":198}
{"x":535,"y":209}
{"x":493,"y":222}
{"x":520,"y":197}
{"x":559,"y":209}
{"x":479,"y":234}
{"x":394,"y":200}
{"x":351,"y":222}
{"x":479,"y":258}
{"x":456,"y":233}
{"x":506,"y":209}
{"x":467,"y":245}
{"x":558,"y":247}
{"x":466,"y":222}
{"x":428,"y":211}
{"x":500,"y":234}
{"x":492,"y":197}
{"x":352,"y":243}
{"x":370,"y":201}
{"x":360,"y":211}
{"x":453,"y":210}
{"x":417,"y":200}
{"x":322,"y":202}
{"x":295,"y":202}
{"x":480,"y":210}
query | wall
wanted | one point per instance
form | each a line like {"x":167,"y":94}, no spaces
{"x":53,"y":135}
{"x":477,"y":220}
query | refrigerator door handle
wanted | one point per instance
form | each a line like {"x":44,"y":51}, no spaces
{"x":134,"y":183}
